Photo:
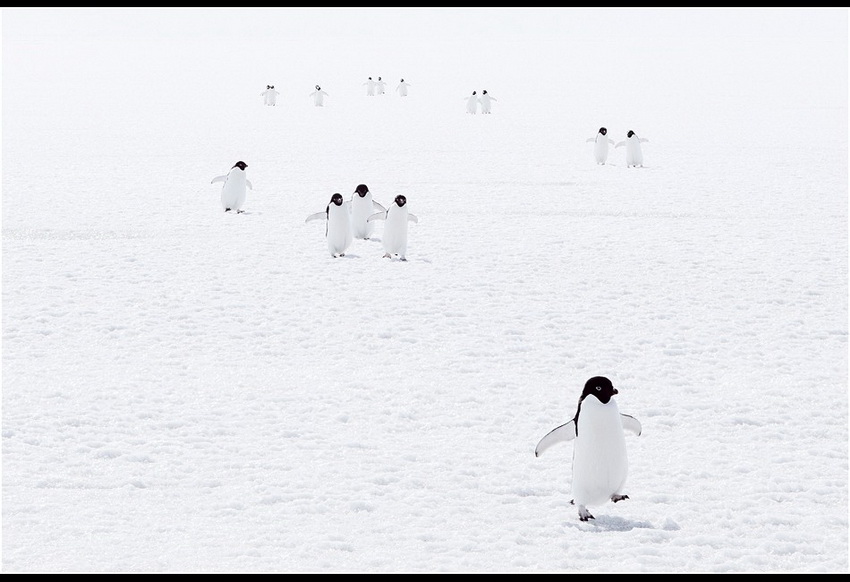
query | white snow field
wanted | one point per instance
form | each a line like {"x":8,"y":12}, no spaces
{"x":191,"y":390}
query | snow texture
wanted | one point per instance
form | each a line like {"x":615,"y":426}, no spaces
{"x":189,"y":390}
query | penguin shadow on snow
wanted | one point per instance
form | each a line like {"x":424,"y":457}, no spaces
{"x":609,"y":523}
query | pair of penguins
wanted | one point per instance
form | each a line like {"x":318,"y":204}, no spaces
{"x":634,"y":152}
{"x":345,"y":220}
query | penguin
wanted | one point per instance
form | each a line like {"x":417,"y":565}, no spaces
{"x":370,"y":87}
{"x":600,"y":150}
{"x":395,"y":230}
{"x":362,"y":207}
{"x":472,"y":103}
{"x":379,"y":86}
{"x":600,"y":464}
{"x":402,"y":88}
{"x":634,"y":153}
{"x":270,"y":95}
{"x":337,"y":217}
{"x":233,"y":192}
{"x":318,"y":97}
{"x":485,"y":101}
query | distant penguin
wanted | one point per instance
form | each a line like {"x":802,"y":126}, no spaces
{"x":233,"y":193}
{"x":395,"y":230}
{"x":362,"y":207}
{"x":600,"y":463}
{"x":318,"y":97}
{"x":402,"y":88}
{"x":270,"y":95}
{"x":472,"y":103}
{"x":337,"y":217}
{"x":370,"y":87}
{"x":485,"y":101}
{"x":634,"y":152}
{"x":380,"y":86}
{"x":600,"y":150}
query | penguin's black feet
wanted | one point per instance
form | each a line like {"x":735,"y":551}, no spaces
{"x":239,"y":211}
{"x":387,"y":256}
{"x":584,"y":514}
{"x":616,"y":498}
{"x":227,"y":210}
{"x":402,"y":259}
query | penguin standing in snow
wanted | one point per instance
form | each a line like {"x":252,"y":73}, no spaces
{"x":234,"y":192}
{"x":395,"y":230}
{"x":337,"y":217}
{"x":485,"y":101}
{"x":380,"y":86}
{"x":634,"y":153}
{"x":600,"y":150}
{"x":362,"y":207}
{"x":270,"y":95}
{"x":318,"y":97}
{"x":402,"y":88}
{"x":600,"y":464}
{"x":370,"y":87}
{"x":472,"y":103}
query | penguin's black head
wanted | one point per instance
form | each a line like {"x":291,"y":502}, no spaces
{"x":337,"y":199}
{"x":484,"y":92}
{"x":379,"y":78}
{"x":630,"y":134}
{"x":362,"y":190}
{"x":402,"y":80}
{"x":240,"y":165}
{"x":268,"y":86}
{"x":318,"y":88}
{"x":272,"y":87}
{"x":370,"y":78}
{"x":603,"y":131}
{"x":600,"y":387}
{"x":400,"y":200}
{"x":474,"y":92}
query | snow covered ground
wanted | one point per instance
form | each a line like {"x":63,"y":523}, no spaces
{"x":189,"y":390}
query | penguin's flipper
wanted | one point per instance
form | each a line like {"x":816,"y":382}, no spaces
{"x":412,"y":218}
{"x":377,"y":216}
{"x":565,"y":432}
{"x":379,"y":207}
{"x":323,"y":215}
{"x":248,"y":183}
{"x":631,"y":424}
{"x":611,"y":141}
{"x":644,"y":140}
{"x":619,"y":143}
{"x":590,"y":139}
{"x":219,"y":179}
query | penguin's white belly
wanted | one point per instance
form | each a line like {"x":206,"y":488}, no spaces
{"x":361,"y":209}
{"x":600,"y":464}
{"x":395,"y":233}
{"x":233,"y":193}
{"x":634,"y":154}
{"x":339,"y":229}
{"x":472,"y":105}
{"x":600,"y":150}
{"x":271,"y":99}
{"x":402,"y":91}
